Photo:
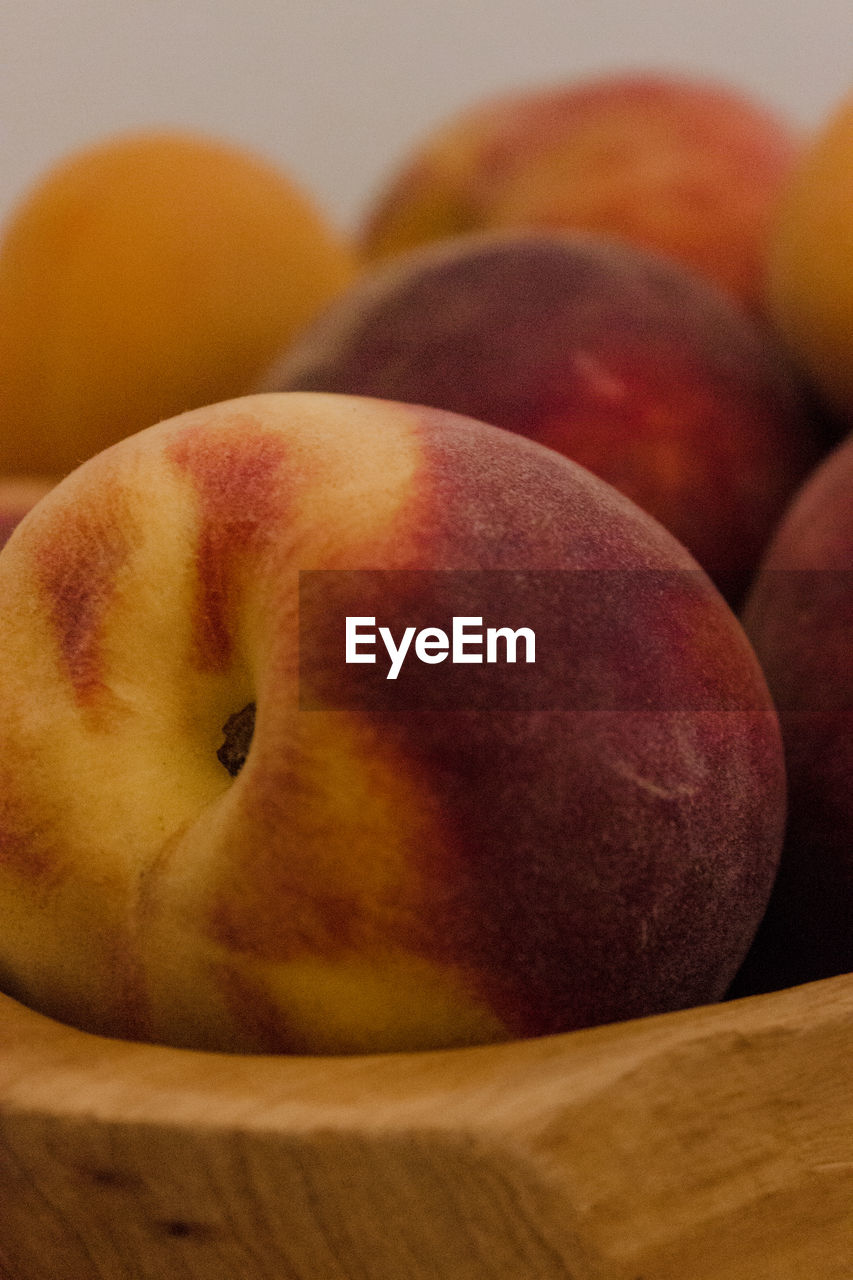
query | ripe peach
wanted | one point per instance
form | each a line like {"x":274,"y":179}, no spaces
{"x":619,"y":358}
{"x":17,"y":495}
{"x":683,"y":166}
{"x":145,"y":275}
{"x":366,"y":863}
{"x":810,"y":273}
{"x":799,"y":615}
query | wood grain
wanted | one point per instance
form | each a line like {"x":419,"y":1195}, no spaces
{"x":715,"y":1144}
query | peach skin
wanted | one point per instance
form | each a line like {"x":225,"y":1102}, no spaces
{"x":146,"y":274}
{"x":617,"y":357}
{"x":679,"y":165}
{"x":17,"y":495}
{"x":799,"y":617}
{"x":215,"y":832}
{"x":810,"y":261}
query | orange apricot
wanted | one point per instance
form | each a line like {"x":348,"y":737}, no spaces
{"x":144,"y":275}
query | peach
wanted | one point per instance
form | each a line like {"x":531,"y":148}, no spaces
{"x":144,"y":275}
{"x":799,"y":616}
{"x":683,"y":166}
{"x":810,"y":253}
{"x":17,"y":495}
{"x":618,"y":358}
{"x":217,"y":831}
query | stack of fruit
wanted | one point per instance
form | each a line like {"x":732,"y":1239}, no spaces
{"x":588,"y":363}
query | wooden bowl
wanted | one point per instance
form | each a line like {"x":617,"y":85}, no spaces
{"x":714,"y":1144}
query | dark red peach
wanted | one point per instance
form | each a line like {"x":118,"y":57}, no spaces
{"x":799,"y":616}
{"x":620,"y":359}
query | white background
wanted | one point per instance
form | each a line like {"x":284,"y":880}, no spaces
{"x":337,"y":92}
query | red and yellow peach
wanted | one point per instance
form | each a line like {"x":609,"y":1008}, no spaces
{"x":682,"y":166}
{"x":343,"y":873}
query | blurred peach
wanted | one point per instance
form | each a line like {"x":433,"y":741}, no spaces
{"x":621,"y":359}
{"x":142,"y":276}
{"x":799,"y":618}
{"x":810,"y":284}
{"x":683,"y":166}
{"x":18,"y":494}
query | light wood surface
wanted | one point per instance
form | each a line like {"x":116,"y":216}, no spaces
{"x":715,"y":1144}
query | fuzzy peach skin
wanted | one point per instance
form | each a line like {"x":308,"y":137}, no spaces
{"x":685,"y":166}
{"x":144,"y":275}
{"x":810,"y":260}
{"x":368,"y":879}
{"x":799,"y":616}
{"x":17,"y":495}
{"x":617,"y":357}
